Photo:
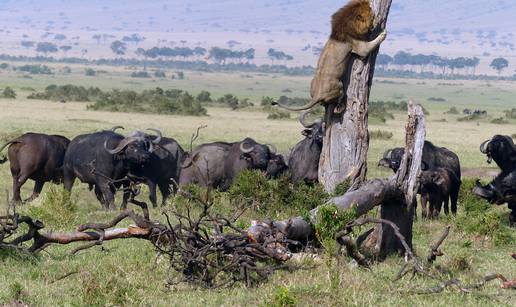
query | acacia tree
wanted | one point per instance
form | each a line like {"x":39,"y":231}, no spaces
{"x":499,"y":64}
{"x":345,"y":146}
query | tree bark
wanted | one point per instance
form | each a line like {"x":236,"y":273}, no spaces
{"x":346,"y":143}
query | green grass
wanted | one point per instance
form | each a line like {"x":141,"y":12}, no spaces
{"x":127,"y":272}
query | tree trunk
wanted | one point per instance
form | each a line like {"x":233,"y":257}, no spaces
{"x":346,"y":143}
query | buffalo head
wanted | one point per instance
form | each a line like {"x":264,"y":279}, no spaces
{"x":276,"y":166}
{"x":502,"y":150}
{"x":392,"y":158}
{"x":256,"y":154}
{"x":314,"y":130}
{"x":136,"y":148}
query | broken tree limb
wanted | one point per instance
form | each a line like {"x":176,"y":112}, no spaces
{"x":434,"y":250}
{"x":345,"y":146}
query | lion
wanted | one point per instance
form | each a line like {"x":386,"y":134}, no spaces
{"x":350,"y":27}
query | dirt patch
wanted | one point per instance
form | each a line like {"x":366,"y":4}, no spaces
{"x":480,"y":172}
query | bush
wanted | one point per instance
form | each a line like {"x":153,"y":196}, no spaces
{"x":282,"y":298}
{"x":149,"y":101}
{"x":278,"y":114}
{"x":252,"y":188}
{"x":204,"y":97}
{"x":380,"y":135}
{"x":160,"y":74}
{"x":140,"y":74}
{"x":36,"y":69}
{"x":436,"y":99}
{"x":67,"y":92}
{"x":229,"y":100}
{"x":9,"y":93}
{"x":480,"y":217}
{"x":452,"y":110}
{"x":510,"y":114}
{"x":499,"y":121}
{"x":329,"y":221}
{"x":58,"y":209}
{"x":90,"y":72}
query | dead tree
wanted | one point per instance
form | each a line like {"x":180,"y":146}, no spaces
{"x":346,"y":143}
{"x":395,"y":196}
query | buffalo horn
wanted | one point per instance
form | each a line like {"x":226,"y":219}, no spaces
{"x":246,"y":150}
{"x":302,"y":119}
{"x":115,"y":128}
{"x":123,"y":143}
{"x":159,"y":135}
{"x":387,"y":154}
{"x":273,"y":148}
{"x":483,"y":146}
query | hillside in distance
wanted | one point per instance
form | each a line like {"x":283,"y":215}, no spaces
{"x":448,"y":28}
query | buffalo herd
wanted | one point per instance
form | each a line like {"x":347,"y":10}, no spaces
{"x":107,"y":160}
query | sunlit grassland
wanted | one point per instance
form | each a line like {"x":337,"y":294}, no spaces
{"x":128,"y":273}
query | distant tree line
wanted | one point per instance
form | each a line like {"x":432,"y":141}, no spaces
{"x":428,"y":63}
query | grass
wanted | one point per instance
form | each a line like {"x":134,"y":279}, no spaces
{"x":128,"y":273}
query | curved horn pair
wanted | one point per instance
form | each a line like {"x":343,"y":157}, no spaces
{"x":246,"y":150}
{"x":123,"y":143}
{"x":483,"y":146}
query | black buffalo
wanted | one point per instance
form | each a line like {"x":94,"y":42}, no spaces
{"x":437,"y":184}
{"x":304,"y":157}
{"x":276,"y":166}
{"x":217,"y":164}
{"x":38,"y":157}
{"x":433,"y":157}
{"x":103,"y":158}
{"x":163,"y":168}
{"x":502,"y":189}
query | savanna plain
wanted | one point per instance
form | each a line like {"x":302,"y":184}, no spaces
{"x":129,"y":272}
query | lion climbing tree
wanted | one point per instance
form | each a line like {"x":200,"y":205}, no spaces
{"x":345,"y":147}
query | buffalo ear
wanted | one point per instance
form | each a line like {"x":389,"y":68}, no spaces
{"x":307,"y":133}
{"x":424,"y":166}
{"x":439,"y":180}
{"x":190,"y":160}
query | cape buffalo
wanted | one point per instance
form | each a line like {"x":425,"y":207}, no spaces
{"x":304,"y":157}
{"x":38,"y":157}
{"x":218,"y":164}
{"x":502,"y":189}
{"x":100,"y":159}
{"x":163,"y":168}
{"x":437,"y":183}
{"x":276,"y":166}
{"x":433,"y":157}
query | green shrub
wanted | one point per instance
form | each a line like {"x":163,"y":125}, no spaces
{"x":9,"y":93}
{"x":67,"y":92}
{"x":252,"y":188}
{"x":480,"y":217}
{"x":499,"y":121}
{"x":149,"y":101}
{"x":282,"y":298}
{"x":90,"y":72}
{"x":380,"y":135}
{"x":452,"y":110}
{"x":278,"y":114}
{"x":58,"y":209}
{"x":471,"y":117}
{"x":140,"y":74}
{"x":36,"y":69}
{"x":329,"y":221}
{"x":160,"y":74}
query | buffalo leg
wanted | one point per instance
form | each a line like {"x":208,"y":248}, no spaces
{"x":512,"y":215}
{"x":454,"y":196}
{"x":165,"y":192}
{"x":152,"y":193}
{"x":38,"y":187}
{"x":126,"y":195}
{"x":18,"y":182}
{"x":424,"y":201}
{"x":100,"y":197}
{"x":446,"y":209}
{"x":107,"y":193}
{"x":68,"y":180}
